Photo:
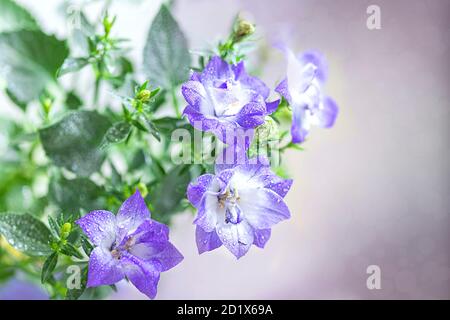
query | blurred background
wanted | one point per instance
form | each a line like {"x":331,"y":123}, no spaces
{"x":374,"y":190}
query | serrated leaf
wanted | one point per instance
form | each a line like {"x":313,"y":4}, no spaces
{"x":26,"y":233}
{"x":29,"y":61}
{"x":49,"y":266}
{"x":74,"y":141}
{"x":166,"y":55}
{"x":14,"y":17}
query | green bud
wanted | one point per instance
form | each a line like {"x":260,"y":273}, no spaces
{"x":142,"y":189}
{"x":144,"y":95}
{"x":243,"y":29}
{"x":47,"y":105}
{"x":108,"y":24}
{"x":65,"y":230}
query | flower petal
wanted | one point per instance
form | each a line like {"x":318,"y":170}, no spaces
{"x":206,"y":241}
{"x":251,"y":115}
{"x":327,"y":113}
{"x":283,"y":90}
{"x":300,"y":126}
{"x":208,"y":211}
{"x":150,"y":231}
{"x":216,"y":69}
{"x":132,"y":214}
{"x":194,"y":93}
{"x":196,"y":189}
{"x":271,"y":107}
{"x":278,"y":185}
{"x":261,"y":237}
{"x":144,"y":275}
{"x":103,"y":268}
{"x":249,"y":81}
{"x":100,"y":227}
{"x":318,"y":60}
{"x":238,"y":238}
{"x":169,"y":257}
{"x":262,"y":208}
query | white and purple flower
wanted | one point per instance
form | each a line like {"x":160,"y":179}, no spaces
{"x":238,"y":206}
{"x":224,"y":97}
{"x":128,"y":244}
{"x":302,"y":88}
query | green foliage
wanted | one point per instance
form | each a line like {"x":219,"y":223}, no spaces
{"x":49,"y":266}
{"x":25,"y":233}
{"x":75,"y":194}
{"x":168,"y":193}
{"x":29,"y":61}
{"x":14,"y":17}
{"x":74,"y":141}
{"x":166,"y":55}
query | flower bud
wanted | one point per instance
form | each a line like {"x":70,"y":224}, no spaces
{"x":142,"y":189}
{"x":243,"y":29}
{"x":143,"y":95}
{"x":65,"y":230}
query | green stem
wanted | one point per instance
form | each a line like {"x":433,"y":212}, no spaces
{"x":175,"y":102}
{"x":98,"y":80}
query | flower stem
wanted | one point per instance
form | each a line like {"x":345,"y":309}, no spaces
{"x":175,"y":102}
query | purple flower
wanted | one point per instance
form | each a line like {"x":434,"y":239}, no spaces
{"x":302,"y":88}
{"x":128,"y":244}
{"x":224,"y":97}
{"x":237,"y":206}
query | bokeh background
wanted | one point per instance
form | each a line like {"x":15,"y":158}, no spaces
{"x":374,"y":190}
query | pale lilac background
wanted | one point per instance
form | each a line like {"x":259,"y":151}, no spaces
{"x":373,"y":190}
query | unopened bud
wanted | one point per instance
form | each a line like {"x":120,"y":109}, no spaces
{"x":144,"y":95}
{"x":243,"y":29}
{"x":142,"y":189}
{"x":65,"y":230}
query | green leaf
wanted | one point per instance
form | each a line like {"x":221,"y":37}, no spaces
{"x":22,"y":105}
{"x":86,"y":245}
{"x":75,"y":194}
{"x":70,"y":250}
{"x":74,"y":294}
{"x":14,"y":17}
{"x":49,"y":266}
{"x":53,"y":226}
{"x":166,"y":55}
{"x":167,"y":195}
{"x":74,"y":141}
{"x":72,"y":65}
{"x":73,"y":102}
{"x":29,"y":61}
{"x":26,"y":233}
{"x":167,"y":125}
{"x":116,"y":134}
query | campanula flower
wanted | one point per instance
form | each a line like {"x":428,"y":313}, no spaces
{"x":237,"y":206}
{"x":302,"y":88}
{"x":130,"y":245}
{"x":224,"y":97}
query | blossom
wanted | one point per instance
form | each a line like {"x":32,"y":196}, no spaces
{"x":128,"y":244}
{"x":237,"y":206}
{"x":224,"y":97}
{"x":302,"y":88}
